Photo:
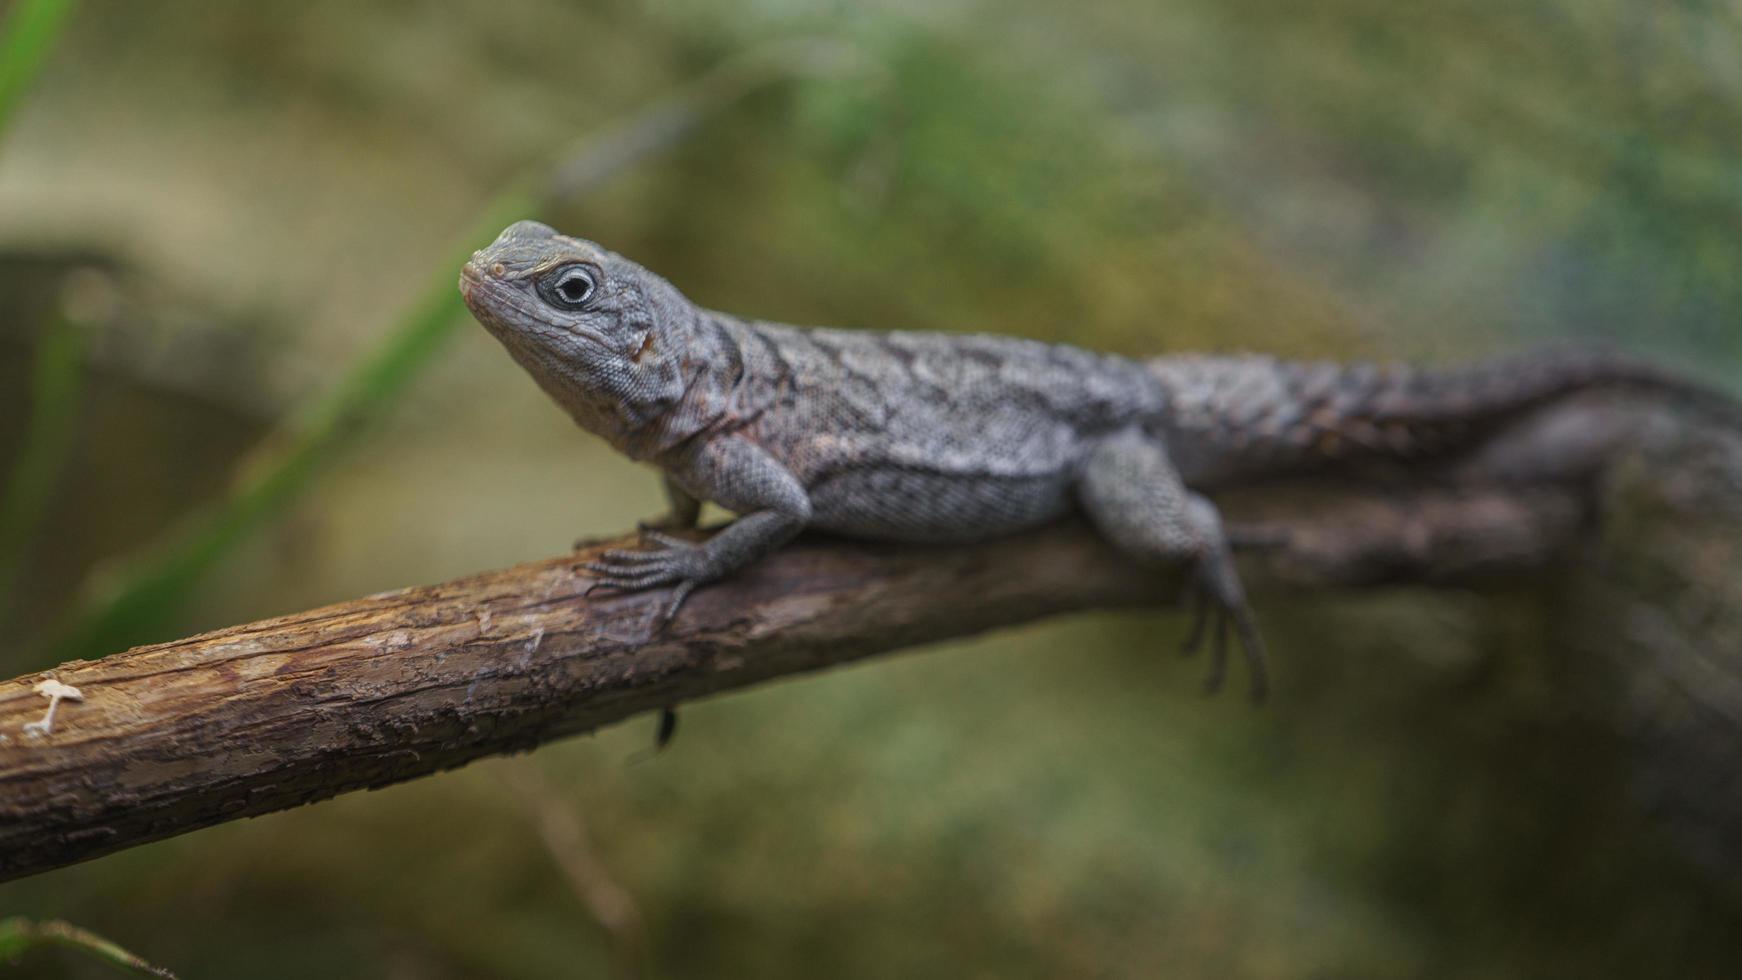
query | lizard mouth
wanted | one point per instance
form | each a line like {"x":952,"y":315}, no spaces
{"x":514,"y":321}
{"x":480,"y":292}
{"x":470,"y":279}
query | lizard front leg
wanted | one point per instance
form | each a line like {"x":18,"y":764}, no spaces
{"x":772,"y":504}
{"x":1134,"y":495}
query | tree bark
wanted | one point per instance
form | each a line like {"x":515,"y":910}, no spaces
{"x":268,"y":715}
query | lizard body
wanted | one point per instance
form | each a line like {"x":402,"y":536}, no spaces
{"x":944,"y":437}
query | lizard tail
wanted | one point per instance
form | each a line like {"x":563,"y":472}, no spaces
{"x":1417,"y":413}
{"x":1281,"y":415}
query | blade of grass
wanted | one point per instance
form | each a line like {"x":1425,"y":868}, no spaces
{"x":27,"y":35}
{"x":56,"y":377}
{"x":18,"y":936}
{"x":127,"y":603}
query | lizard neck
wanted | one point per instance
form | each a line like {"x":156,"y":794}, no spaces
{"x":715,"y":384}
{"x":694,"y":385}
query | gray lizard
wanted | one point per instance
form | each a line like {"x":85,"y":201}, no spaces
{"x":934,"y":437}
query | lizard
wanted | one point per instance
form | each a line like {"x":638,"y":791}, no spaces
{"x":941,"y":437}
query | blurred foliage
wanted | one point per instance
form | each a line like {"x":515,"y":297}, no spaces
{"x":133,"y":600}
{"x":27,"y":35}
{"x":21,"y":937}
{"x":54,"y":403}
{"x":1341,"y":177}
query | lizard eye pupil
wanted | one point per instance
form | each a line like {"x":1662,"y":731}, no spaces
{"x":570,"y":287}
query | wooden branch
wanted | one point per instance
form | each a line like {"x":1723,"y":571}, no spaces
{"x":269,"y":715}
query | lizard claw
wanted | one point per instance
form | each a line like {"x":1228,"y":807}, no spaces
{"x":678,"y":595}
{"x":1219,"y":604}
{"x":673,"y":562}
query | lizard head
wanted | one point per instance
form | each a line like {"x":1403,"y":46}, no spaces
{"x":602,"y":335}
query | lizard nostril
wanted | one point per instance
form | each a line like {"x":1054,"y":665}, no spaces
{"x":498,"y":270}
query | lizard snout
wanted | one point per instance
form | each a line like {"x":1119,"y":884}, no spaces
{"x":470,"y":277}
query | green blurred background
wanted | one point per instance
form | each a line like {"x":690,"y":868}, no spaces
{"x":233,"y":383}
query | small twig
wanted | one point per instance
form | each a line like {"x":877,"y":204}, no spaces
{"x":565,"y":838}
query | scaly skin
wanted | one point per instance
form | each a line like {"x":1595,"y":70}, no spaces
{"x":943,"y":437}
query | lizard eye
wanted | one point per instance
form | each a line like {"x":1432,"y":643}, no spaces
{"x":569,"y":286}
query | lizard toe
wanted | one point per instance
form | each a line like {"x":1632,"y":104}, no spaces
{"x":1220,"y":609}
{"x":620,"y":558}
{"x":672,"y":561}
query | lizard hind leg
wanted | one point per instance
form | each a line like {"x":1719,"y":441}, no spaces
{"x":1137,"y":500}
{"x":683,"y":510}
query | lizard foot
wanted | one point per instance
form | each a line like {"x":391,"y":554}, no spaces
{"x":673,"y":561}
{"x":1218,"y":604}
{"x":667,"y":729}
